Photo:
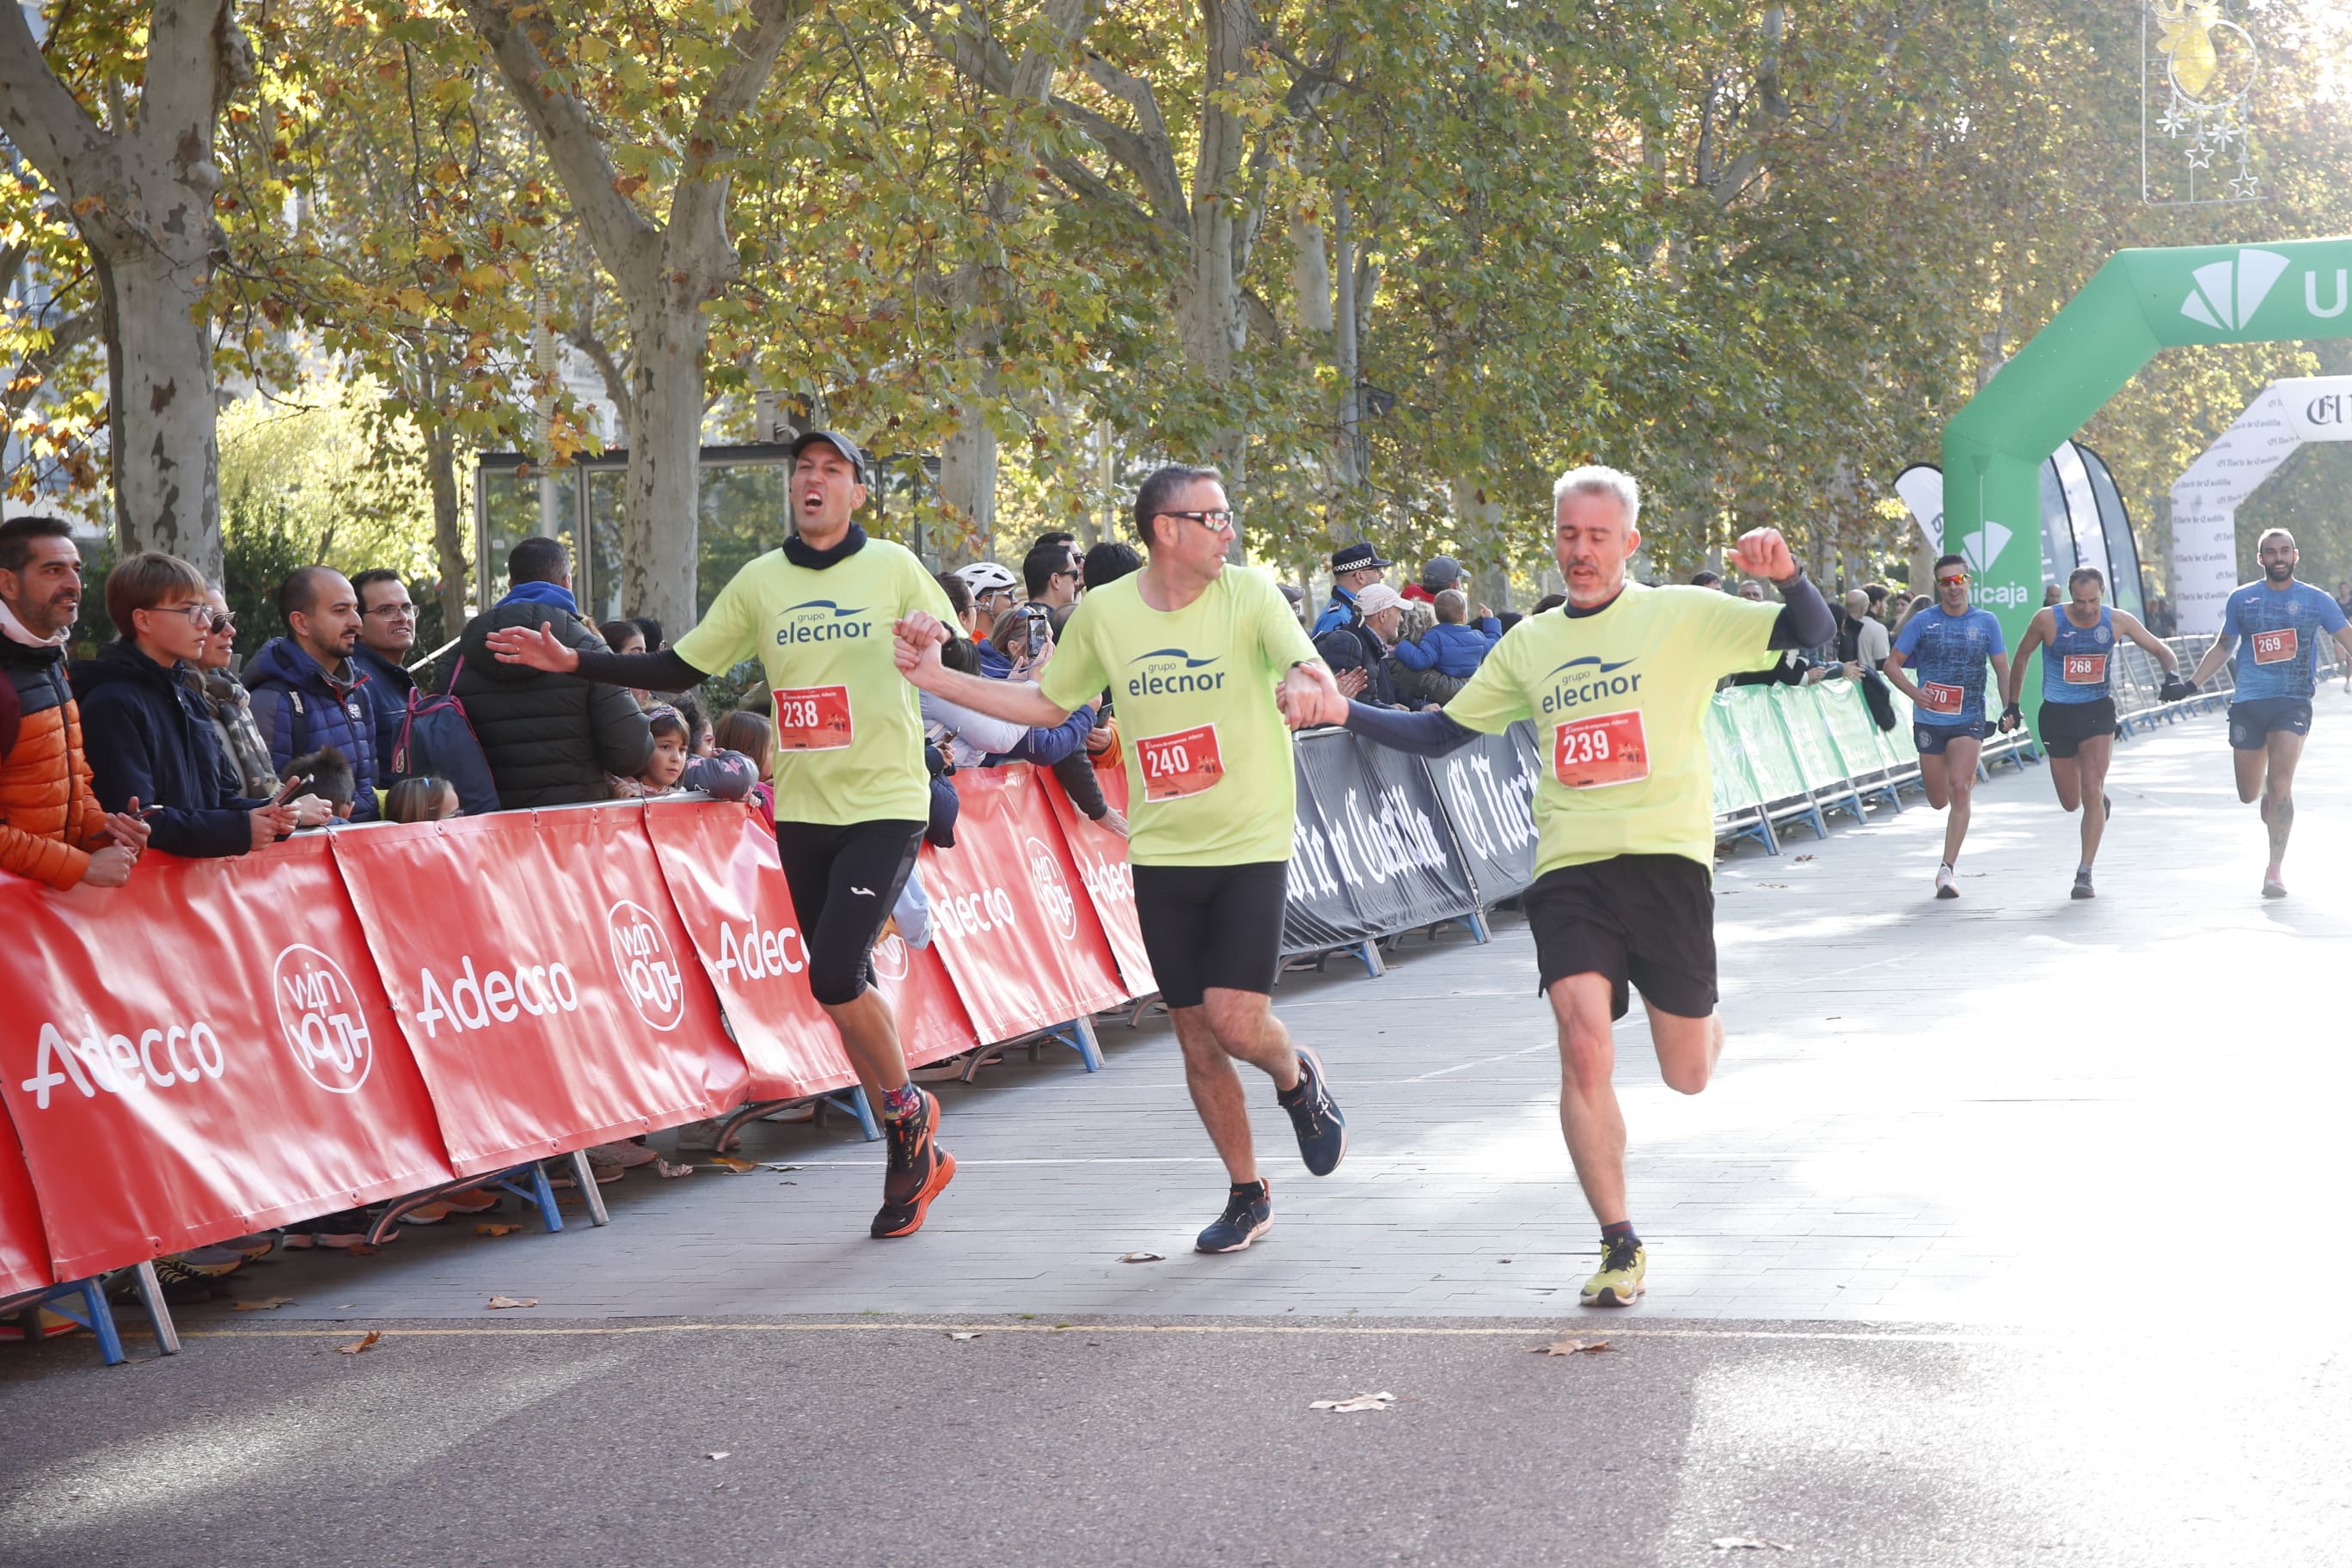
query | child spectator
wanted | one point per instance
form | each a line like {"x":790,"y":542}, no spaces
{"x":1451,"y":646}
{"x":751,"y":735}
{"x":329,"y":773}
{"x":727,"y":776}
{"x":422,"y":799}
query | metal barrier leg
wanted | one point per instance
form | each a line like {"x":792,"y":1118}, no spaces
{"x":100,"y":1320}
{"x":539,"y":1193}
{"x":1089,"y":1049}
{"x":159,"y":1311}
{"x":1477,"y":920}
{"x":585,"y":1175}
{"x":1369,"y":951}
{"x":851,"y":1101}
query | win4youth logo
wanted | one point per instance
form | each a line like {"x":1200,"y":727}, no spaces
{"x":2228,"y":293}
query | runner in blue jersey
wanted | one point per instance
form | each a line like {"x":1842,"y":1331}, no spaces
{"x":2275,"y":624}
{"x":2078,"y":704}
{"x":1948,"y":646}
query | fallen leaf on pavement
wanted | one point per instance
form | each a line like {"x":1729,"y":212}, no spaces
{"x":739,"y":1167}
{"x":774,"y":1165}
{"x":1772,"y":884}
{"x":496,"y":1229}
{"x":1800,"y":859}
{"x":266,"y":1304}
{"x":719,"y":1455}
{"x":499,"y":1301}
{"x":1348,"y":1406}
{"x":1141,"y":1257}
{"x":358,"y":1345}
{"x":664,"y":1168}
{"x":1748,"y":1543}
{"x":1570,"y":1347}
{"x":958,"y":1334}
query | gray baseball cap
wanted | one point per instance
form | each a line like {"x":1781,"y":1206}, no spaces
{"x":1440,"y":571}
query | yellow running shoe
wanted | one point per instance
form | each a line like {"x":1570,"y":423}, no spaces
{"x":1622,"y":1264}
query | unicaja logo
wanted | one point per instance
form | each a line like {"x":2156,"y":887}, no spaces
{"x":318,"y":1013}
{"x":647,"y":967}
{"x":2228,"y":293}
{"x":1983,"y":547}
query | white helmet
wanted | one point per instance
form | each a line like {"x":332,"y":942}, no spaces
{"x":986,"y":578}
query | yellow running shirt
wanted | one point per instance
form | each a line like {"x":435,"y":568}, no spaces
{"x":1208,"y":774}
{"x":849,"y":730}
{"x":1619,"y":700}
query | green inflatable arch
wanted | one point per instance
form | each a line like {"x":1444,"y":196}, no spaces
{"x":2139,"y":302}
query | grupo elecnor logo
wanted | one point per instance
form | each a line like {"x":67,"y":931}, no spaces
{"x":1053,"y":888}
{"x":890,"y":958}
{"x":647,"y":966}
{"x":318,"y":1013}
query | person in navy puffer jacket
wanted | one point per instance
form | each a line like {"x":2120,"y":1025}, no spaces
{"x":1451,"y":646}
{"x":308,"y":693}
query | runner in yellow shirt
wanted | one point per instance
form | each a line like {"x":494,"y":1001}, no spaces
{"x":1617,"y":682}
{"x":853,"y":792}
{"x":1203,"y":660}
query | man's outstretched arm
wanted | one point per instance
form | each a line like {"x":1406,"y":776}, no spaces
{"x":1426,"y":735}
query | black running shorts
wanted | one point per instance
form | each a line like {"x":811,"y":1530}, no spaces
{"x":1212,"y":925}
{"x":846,"y":879}
{"x":2067,"y":725}
{"x":1929,"y":740}
{"x":1645,"y":919}
{"x":2252,"y":722}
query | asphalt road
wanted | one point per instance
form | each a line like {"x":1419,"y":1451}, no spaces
{"x":1127,"y":1443}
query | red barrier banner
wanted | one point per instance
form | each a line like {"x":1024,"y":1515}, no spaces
{"x":1100,"y":856}
{"x":1007,"y":915}
{"x":202,"y":1053}
{"x":542,"y":976}
{"x":932,"y":1023}
{"x":24,"y":1245}
{"x":721,"y":864}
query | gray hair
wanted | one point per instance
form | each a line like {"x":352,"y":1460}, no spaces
{"x":1593,"y":478}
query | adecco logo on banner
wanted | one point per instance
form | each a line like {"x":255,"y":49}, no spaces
{"x":648,"y":969}
{"x":1052,"y":887}
{"x":760,"y":954}
{"x":537,"y":989}
{"x":969,"y":914}
{"x":115,"y":1062}
{"x":320,"y":1014}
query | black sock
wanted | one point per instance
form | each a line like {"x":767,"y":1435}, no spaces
{"x":1622,"y":1231}
{"x":1250,"y":1189}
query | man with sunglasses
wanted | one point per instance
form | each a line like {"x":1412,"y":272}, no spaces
{"x":1946,"y":646}
{"x":853,"y":794}
{"x":1053,"y":575}
{"x":1204,"y":659}
{"x":2273,"y":625}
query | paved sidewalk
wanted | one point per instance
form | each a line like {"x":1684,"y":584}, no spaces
{"x":2008,"y":1109}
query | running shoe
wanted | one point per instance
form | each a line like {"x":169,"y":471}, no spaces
{"x":1249,"y":1214}
{"x":1944,"y":888}
{"x":181,"y":1287}
{"x":1622,"y":1266}
{"x":211,"y":1262}
{"x":1315,"y":1117}
{"x":48,"y":1325}
{"x":919,"y":1170}
{"x":2273,"y":887}
{"x":624,"y":1155}
{"x":2083,"y":884}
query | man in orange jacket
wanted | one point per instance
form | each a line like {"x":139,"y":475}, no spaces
{"x":51,"y":825}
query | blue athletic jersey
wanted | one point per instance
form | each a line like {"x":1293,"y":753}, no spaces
{"x":2077,"y":666}
{"x":1945,"y":656}
{"x":2278,"y":632}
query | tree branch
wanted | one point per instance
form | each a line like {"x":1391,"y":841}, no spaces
{"x":42,"y":117}
{"x":698,"y":213}
{"x":628,"y":242}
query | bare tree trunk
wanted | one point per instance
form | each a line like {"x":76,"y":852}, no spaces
{"x":141,"y":195}
{"x":968,"y":459}
{"x":1478,"y":533}
{"x":660,"y":527}
{"x":448,"y":527}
